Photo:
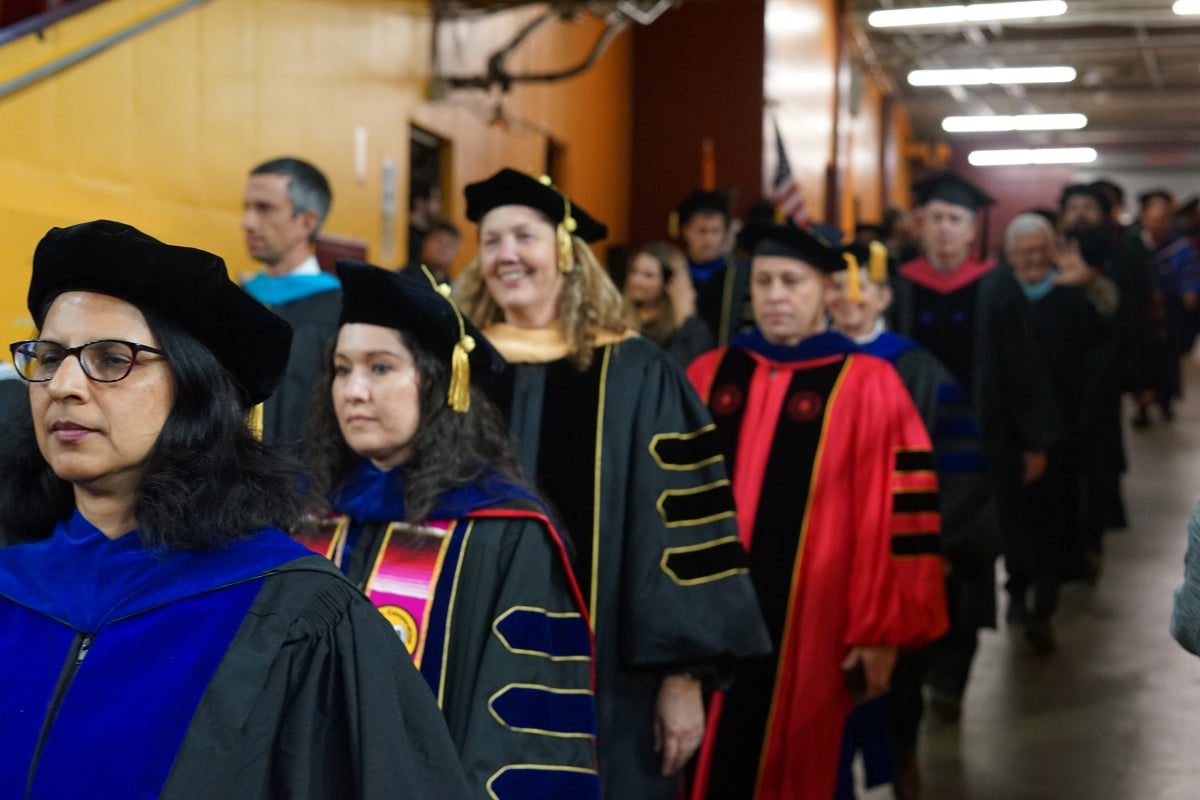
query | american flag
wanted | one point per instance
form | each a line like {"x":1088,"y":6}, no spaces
{"x":786,"y":194}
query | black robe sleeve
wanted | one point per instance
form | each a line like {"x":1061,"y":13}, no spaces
{"x":316,"y":698}
{"x":518,"y":689}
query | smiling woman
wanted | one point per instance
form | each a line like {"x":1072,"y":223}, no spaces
{"x":148,"y":518}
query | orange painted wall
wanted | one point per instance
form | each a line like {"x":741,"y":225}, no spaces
{"x":160,"y":130}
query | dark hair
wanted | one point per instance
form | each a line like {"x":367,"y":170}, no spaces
{"x":206,"y":481}
{"x":449,"y":449}
{"x":444,"y":226}
{"x":307,"y":187}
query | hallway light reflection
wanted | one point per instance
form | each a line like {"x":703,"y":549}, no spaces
{"x":959,"y":14}
{"x":1045,"y":155}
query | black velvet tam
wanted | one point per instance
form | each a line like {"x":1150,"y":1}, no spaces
{"x":950,"y":187}
{"x":764,"y":239}
{"x":511,"y":188}
{"x":190,"y":287}
{"x":408,"y":301}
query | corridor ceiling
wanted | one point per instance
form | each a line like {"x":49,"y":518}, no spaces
{"x":1138,"y":77}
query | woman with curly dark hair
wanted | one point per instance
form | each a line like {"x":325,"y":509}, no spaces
{"x":222,"y":659}
{"x":430,"y":519}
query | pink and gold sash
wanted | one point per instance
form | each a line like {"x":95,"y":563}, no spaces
{"x":403,"y":576}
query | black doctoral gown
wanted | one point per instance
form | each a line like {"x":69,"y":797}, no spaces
{"x":629,"y":457}
{"x":314,"y":322}
{"x":253,"y":671}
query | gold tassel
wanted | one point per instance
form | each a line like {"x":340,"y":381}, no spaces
{"x":673,"y":225}
{"x":460,"y":375}
{"x":566,"y":254}
{"x":459,"y":396}
{"x":878,"y":268}
{"x":254,"y":421}
{"x":853,"y":289}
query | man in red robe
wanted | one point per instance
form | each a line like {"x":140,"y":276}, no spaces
{"x":838,"y":507}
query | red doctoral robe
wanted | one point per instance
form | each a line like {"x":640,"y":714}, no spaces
{"x":837,"y":505}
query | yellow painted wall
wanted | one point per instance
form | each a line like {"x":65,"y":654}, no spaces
{"x":160,"y":130}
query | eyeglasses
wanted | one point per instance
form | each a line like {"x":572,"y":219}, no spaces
{"x":104,"y":360}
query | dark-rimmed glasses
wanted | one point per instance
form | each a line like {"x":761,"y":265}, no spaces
{"x":104,"y":360}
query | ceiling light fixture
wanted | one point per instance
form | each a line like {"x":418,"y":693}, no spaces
{"x":1184,"y":7}
{"x":1001,"y":75}
{"x":958,"y":14}
{"x":1019,"y":122}
{"x":1045,"y":155}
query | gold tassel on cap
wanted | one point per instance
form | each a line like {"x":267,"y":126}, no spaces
{"x":459,"y":396}
{"x":564,"y":230}
{"x":673,"y":225}
{"x":878,"y":265}
{"x":254,"y":421}
{"x":460,"y":375}
{"x":853,"y":289}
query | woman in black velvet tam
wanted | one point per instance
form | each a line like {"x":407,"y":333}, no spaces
{"x":160,"y":636}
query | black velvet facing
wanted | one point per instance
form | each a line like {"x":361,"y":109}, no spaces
{"x":566,"y":464}
{"x":706,"y":562}
{"x":917,"y":544}
{"x":915,"y":502}
{"x":697,"y":507}
{"x":781,"y":511}
{"x":680,"y":453}
{"x":914,"y":461}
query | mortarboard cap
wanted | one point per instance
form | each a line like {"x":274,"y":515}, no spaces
{"x":413,"y":301}
{"x":1190,"y":204}
{"x":190,"y":287}
{"x":511,"y":188}
{"x":764,"y":239}
{"x":949,"y":187}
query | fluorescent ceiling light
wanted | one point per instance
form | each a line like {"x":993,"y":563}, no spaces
{"x":956,"y":15}
{"x":1186,"y":7}
{"x":1003,"y":75}
{"x":1020,"y":122}
{"x":1047,"y":155}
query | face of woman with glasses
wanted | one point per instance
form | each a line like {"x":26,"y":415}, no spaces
{"x":97,"y":435}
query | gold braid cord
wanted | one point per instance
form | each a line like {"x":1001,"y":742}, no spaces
{"x":564,"y":230}
{"x":459,"y":396}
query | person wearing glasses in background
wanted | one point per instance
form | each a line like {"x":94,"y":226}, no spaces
{"x":160,"y":636}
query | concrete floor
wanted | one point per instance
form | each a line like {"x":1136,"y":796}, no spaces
{"x":1114,"y":713}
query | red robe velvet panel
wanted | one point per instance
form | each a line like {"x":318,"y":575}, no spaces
{"x":836,"y":496}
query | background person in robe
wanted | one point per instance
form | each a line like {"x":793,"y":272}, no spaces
{"x":722,"y":292}
{"x":973,"y":318}
{"x":439,"y":248}
{"x":621,"y":446}
{"x":222,"y":658}
{"x":970,"y":539}
{"x":837,"y":504}
{"x":1074,"y":311}
{"x":285,"y":203}
{"x":660,"y":295}
{"x":416,"y":464}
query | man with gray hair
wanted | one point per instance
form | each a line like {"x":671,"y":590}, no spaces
{"x":285,"y":202}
